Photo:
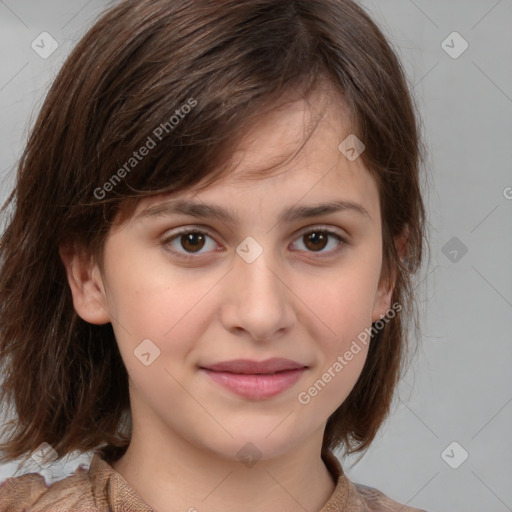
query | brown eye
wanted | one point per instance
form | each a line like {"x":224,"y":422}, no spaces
{"x":188,"y":242}
{"x":316,"y":240}
{"x":192,"y":242}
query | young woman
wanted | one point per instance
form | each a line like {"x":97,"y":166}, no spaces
{"x":206,"y":277}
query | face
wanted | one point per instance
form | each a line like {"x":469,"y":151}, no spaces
{"x":259,"y":285}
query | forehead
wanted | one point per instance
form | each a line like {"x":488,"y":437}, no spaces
{"x":260,"y":162}
{"x":319,"y":121}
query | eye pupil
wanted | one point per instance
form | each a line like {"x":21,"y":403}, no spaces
{"x":316,"y":238}
{"x":191,"y":238}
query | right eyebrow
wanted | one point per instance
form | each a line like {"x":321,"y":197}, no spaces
{"x":203,"y":210}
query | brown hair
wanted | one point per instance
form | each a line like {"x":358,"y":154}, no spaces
{"x":136,"y":68}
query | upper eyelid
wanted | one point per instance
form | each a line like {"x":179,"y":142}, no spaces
{"x":343,"y":239}
{"x":307,"y":229}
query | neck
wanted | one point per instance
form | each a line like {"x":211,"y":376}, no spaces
{"x":173,"y":475}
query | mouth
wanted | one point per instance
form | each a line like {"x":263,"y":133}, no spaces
{"x":250,"y":367}
{"x":256,"y":380}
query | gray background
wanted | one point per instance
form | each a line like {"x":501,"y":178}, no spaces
{"x":459,"y":387}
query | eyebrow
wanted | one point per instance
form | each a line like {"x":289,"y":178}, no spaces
{"x":203,"y":210}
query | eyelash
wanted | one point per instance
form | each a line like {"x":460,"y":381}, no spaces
{"x":191,"y":256}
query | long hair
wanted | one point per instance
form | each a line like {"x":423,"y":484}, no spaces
{"x":184,"y":78}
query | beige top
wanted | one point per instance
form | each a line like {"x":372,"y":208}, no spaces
{"x":102,"y":489}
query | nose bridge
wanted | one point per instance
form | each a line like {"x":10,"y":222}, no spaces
{"x":253,"y":268}
{"x":258,"y":300}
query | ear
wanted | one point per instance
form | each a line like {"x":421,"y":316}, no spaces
{"x":86,"y":283}
{"x":386,"y":286}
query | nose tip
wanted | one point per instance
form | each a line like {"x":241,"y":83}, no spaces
{"x":258,"y":301}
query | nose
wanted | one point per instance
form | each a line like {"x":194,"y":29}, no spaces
{"x":258,"y":301}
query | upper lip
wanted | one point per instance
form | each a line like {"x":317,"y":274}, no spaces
{"x":248,"y":366}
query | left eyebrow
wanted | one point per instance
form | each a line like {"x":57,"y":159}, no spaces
{"x":203,"y":210}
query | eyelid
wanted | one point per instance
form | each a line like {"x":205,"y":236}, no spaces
{"x":332,"y":231}
{"x":329,"y":229}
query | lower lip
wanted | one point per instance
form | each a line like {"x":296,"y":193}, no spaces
{"x":257,"y":387}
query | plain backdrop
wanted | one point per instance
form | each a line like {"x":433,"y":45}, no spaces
{"x":447,"y":444}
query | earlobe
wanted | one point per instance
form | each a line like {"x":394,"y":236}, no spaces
{"x":382,"y":301}
{"x":86,"y":284}
{"x":401,"y":243}
{"x":386,"y":287}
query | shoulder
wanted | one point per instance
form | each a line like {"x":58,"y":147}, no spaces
{"x":374,"y":500}
{"x":31,"y":492}
{"x":354,"y":497}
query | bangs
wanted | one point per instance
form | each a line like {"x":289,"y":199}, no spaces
{"x":182,"y":159}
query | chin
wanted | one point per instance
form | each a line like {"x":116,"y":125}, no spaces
{"x":249,"y":448}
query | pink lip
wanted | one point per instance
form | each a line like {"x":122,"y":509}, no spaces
{"x":256,"y":379}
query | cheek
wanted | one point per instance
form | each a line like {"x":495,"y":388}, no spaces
{"x":151,"y":300}
{"x":342,"y":350}
{"x":343,"y":301}
{"x":144,"y":292}
{"x":334,"y":379}
{"x":342,"y":311}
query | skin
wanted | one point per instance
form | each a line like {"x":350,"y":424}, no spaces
{"x":297,"y":300}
